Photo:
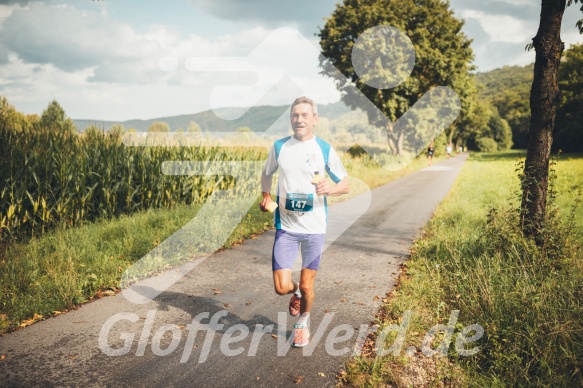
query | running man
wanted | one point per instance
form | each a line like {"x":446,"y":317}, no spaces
{"x":430,"y":152}
{"x":301,"y":215}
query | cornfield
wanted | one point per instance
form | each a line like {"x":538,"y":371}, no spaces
{"x":52,"y":177}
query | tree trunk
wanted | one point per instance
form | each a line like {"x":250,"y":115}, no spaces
{"x":392,"y":138}
{"x":400,"y":139}
{"x":451,"y":133}
{"x":543,"y":106}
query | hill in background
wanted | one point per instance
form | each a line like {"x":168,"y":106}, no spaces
{"x":508,"y":90}
{"x":496,"y":83}
{"x":257,"y":118}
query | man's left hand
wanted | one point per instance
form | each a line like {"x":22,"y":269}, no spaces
{"x":324,"y":187}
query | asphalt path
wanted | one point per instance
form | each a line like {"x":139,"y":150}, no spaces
{"x":221,"y":324}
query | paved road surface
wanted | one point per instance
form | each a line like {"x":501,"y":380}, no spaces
{"x":164,"y":347}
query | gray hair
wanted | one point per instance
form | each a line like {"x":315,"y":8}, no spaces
{"x":305,"y":100}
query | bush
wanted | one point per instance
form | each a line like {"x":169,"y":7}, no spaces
{"x":485,"y":144}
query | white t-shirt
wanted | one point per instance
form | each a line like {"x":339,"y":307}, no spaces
{"x":299,"y":209}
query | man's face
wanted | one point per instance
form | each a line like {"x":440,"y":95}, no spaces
{"x":303,"y":121}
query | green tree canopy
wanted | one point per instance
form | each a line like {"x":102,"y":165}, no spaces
{"x":486,"y":123}
{"x":569,"y":125}
{"x":442,"y":54}
{"x":159,"y":126}
{"x":53,"y":118}
{"x":500,"y":131}
{"x":508,"y":90}
{"x":193,"y":127}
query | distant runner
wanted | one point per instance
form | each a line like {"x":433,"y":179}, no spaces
{"x":300,"y":208}
{"x":430,"y":152}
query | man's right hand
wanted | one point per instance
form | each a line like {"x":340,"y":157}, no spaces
{"x":266,"y":199}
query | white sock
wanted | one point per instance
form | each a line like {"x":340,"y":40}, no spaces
{"x":297,"y":293}
{"x":304,"y":319}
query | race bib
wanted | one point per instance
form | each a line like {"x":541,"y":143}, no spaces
{"x":296,"y":202}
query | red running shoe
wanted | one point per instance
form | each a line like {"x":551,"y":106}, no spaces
{"x":294,"y":306}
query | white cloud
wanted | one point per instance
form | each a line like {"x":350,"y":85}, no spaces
{"x":284,"y":60}
{"x":522,"y":59}
{"x":64,"y":37}
{"x":502,"y":28}
{"x":101,"y":68}
{"x":6,"y":11}
{"x":520,"y":3}
{"x":571,"y":36}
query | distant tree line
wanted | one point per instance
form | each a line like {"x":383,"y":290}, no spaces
{"x":507,"y":90}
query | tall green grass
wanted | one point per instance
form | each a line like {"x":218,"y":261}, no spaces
{"x":473,"y":258}
{"x":69,"y":266}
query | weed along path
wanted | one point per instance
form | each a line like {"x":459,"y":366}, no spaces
{"x":221,"y":324}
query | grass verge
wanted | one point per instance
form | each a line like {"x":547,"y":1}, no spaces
{"x":473,"y":259}
{"x":67,"y":267}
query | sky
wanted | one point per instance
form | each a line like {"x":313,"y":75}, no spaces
{"x":138,"y":59}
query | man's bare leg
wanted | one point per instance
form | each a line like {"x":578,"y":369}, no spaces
{"x":307,"y":278}
{"x":282,"y":282}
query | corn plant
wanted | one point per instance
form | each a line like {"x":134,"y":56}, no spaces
{"x":53,"y":177}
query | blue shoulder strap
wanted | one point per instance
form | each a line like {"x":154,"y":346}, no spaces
{"x":278,"y":144}
{"x":325,"y":147}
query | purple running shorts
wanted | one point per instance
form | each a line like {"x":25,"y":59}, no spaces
{"x":286,"y":245}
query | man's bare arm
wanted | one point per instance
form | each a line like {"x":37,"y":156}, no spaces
{"x":266,"y":181}
{"x":325,"y":187}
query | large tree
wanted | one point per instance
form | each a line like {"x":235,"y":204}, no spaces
{"x":159,"y":126}
{"x":442,"y":55}
{"x":54,"y":118}
{"x":543,"y":106}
